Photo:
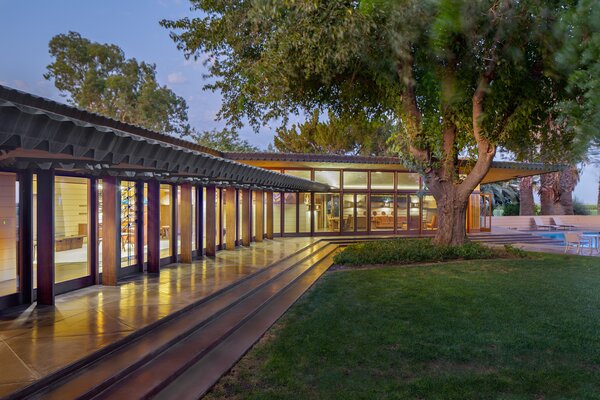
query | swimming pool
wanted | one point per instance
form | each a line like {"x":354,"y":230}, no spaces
{"x":561,"y":236}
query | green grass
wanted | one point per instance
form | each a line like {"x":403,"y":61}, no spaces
{"x":485,"y":329}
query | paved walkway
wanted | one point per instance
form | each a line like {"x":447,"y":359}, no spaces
{"x":36,"y":341}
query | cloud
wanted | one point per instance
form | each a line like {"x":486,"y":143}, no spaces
{"x":176,"y":78}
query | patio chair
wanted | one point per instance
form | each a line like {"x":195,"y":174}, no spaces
{"x":574,"y":239}
{"x":558,"y":222}
{"x":539,"y":225}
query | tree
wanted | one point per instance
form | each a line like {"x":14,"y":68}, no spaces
{"x":458,"y":77}
{"x":354,"y":135}
{"x":225,"y":140}
{"x":556,"y":191}
{"x":97,"y":77}
{"x":526,"y":201}
{"x":503,"y":192}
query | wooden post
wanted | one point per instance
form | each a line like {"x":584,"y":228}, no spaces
{"x":186,"y":223}
{"x":45,"y":237}
{"x":111,"y":230}
{"x":230,"y":218}
{"x":139,"y":226}
{"x":153,"y":230}
{"x":199,"y":221}
{"x":269,"y":227}
{"x":92,"y":239}
{"x":174,"y":223}
{"x":260,"y":216}
{"x":246,"y":211}
{"x":211,"y":220}
{"x":26,"y":236}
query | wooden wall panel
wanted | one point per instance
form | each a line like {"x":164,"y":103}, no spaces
{"x":269,"y":211}
{"x":259,"y":219}
{"x":186,"y":215}
{"x":246,"y":207}
{"x":230,"y":218}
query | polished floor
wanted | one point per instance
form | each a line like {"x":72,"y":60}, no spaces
{"x":36,"y":341}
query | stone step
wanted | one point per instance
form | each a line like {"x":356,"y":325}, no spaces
{"x":96,"y":372}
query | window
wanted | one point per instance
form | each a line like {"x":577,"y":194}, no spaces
{"x":71,"y":210}
{"x":289,"y":212}
{"x":277,"y":198}
{"x":382,"y":180}
{"x":382,"y":212}
{"x":166,"y":214}
{"x":305,"y":174}
{"x":327,"y":212}
{"x":331,"y":178}
{"x":304,"y":213}
{"x":408,"y":181}
{"x":402,"y":211}
{"x":355,"y":180}
{"x":9,"y":233}
{"x":348,"y":222}
{"x":430,"y":213}
{"x":128,"y":224}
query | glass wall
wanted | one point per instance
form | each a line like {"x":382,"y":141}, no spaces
{"x":382,"y":212}
{"x":289,"y":212}
{"x":382,"y":180}
{"x":9,"y":229}
{"x":128,"y":224}
{"x":166,"y":214}
{"x":178,"y":188}
{"x":194,"y":219}
{"x":204,"y":218}
{"x":71,"y":212}
{"x":277,"y":198}
{"x":304,"y":213}
{"x":355,"y":180}
{"x":240,"y":213}
{"x":224,"y":212}
{"x":402,"y":211}
{"x":430,"y":213}
{"x":327,"y":212}
{"x":145,"y":222}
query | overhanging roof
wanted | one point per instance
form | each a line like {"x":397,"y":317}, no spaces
{"x":500,"y":170}
{"x":72,"y":138}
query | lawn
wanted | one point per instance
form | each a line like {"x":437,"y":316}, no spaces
{"x":502,"y":328}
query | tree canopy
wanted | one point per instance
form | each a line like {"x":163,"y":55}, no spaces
{"x":354,"y":136}
{"x":225,"y":140}
{"x":458,"y":77}
{"x":97,"y":77}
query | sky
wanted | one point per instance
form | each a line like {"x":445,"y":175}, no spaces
{"x":26,"y":27}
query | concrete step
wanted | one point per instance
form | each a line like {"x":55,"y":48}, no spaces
{"x":94,"y":373}
{"x":200,"y":377}
{"x":150,"y":379}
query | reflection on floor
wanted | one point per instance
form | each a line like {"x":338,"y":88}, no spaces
{"x":72,"y":264}
{"x":36,"y":341}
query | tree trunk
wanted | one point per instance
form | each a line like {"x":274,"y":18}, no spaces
{"x":526,"y":202}
{"x":452,"y":215}
{"x":598,"y":205}
{"x":548,"y":194}
{"x":567,"y":182}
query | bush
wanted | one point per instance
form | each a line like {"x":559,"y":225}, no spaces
{"x":408,"y":251}
{"x":581,"y":209}
{"x":511,"y":209}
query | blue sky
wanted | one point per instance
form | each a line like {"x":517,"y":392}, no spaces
{"x":26,"y":26}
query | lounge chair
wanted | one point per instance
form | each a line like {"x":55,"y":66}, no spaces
{"x":574,"y":239}
{"x":539,"y":225}
{"x":558,"y":222}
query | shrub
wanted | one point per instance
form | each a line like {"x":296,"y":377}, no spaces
{"x":581,"y":209}
{"x":408,"y":251}
{"x":511,"y":209}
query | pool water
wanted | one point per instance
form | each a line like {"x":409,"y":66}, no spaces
{"x":561,"y":236}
